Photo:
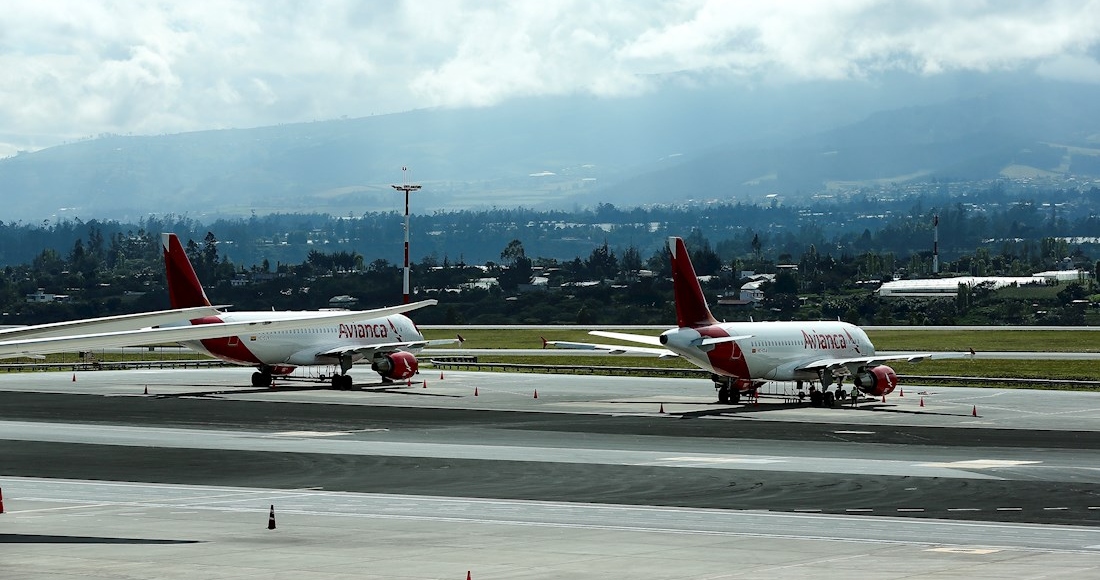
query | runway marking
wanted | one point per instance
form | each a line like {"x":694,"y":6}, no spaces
{"x":964,"y":509}
{"x":1055,"y":509}
{"x":1010,"y":509}
{"x":854,"y":432}
{"x":910,"y":509}
{"x":704,"y":459}
{"x":323,"y":433}
{"x":980,"y":464}
{"x":974,"y":551}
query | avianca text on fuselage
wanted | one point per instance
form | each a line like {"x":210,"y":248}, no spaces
{"x":363,"y":331}
{"x":820,"y":341}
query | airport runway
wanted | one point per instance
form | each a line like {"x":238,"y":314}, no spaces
{"x":587,"y":479}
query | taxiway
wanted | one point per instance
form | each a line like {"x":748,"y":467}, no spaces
{"x":166,"y":473}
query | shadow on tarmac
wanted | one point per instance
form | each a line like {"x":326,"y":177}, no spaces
{"x":37,"y":539}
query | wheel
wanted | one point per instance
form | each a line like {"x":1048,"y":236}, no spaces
{"x":261,"y":380}
{"x":335,"y":381}
{"x":723,"y":394}
{"x":735,"y":396}
{"x":345,"y":381}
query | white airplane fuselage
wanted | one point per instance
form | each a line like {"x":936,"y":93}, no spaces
{"x":772,"y":351}
{"x":303,"y":347}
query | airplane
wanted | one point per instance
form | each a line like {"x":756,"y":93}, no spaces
{"x":389,"y":341}
{"x":35,"y":341}
{"x":742,"y":356}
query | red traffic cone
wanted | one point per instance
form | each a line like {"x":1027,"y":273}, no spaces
{"x":1,"y":501}
{"x":441,"y":375}
{"x":974,"y":413}
{"x":409,"y":382}
{"x":425,"y":384}
{"x":475,"y":391}
{"x":884,"y":398}
{"x":468,"y":575}
{"x":662,"y":411}
{"x":271,"y":518}
{"x":536,"y":394}
{"x":901,"y":393}
{"x":922,"y":401}
{"x":74,"y":377}
{"x":146,"y":390}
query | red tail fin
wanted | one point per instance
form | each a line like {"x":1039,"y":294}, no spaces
{"x":184,"y":289}
{"x":691,"y":306}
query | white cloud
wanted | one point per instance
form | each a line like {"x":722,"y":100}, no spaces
{"x":70,"y":69}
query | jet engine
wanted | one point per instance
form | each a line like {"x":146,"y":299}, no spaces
{"x":876,"y":381}
{"x":395,"y":366}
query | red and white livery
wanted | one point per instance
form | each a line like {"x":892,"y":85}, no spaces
{"x":741,"y":356}
{"x":388,"y":342}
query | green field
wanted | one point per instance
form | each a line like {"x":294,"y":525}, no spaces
{"x":1069,"y":340}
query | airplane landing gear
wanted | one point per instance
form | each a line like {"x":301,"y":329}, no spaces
{"x":261,"y":379}
{"x":342,"y":382}
{"x":728,"y":391}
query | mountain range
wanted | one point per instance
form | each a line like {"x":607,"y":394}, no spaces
{"x":666,"y":147}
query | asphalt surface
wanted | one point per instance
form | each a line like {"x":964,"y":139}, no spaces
{"x":1028,"y":460}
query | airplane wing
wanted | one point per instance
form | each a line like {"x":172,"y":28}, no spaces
{"x":615,"y":348}
{"x":877,"y":359}
{"x":368,"y":350}
{"x":89,"y":341}
{"x":107,"y":323}
{"x":634,"y":350}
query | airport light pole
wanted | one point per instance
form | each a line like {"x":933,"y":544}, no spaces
{"x":407,"y":188}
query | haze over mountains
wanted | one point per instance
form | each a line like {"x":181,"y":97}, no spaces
{"x":666,"y":147}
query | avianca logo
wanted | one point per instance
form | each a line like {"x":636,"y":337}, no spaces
{"x":396,"y":332}
{"x":363,"y":331}
{"x":855,"y":344}
{"x":818,"y":341}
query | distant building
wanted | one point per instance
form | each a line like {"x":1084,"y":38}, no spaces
{"x":41,"y":296}
{"x":949,"y":287}
{"x":342,"y":301}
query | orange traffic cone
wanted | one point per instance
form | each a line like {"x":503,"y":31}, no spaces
{"x":536,"y":393}
{"x":974,"y":413}
{"x":271,"y":518}
{"x":662,"y":411}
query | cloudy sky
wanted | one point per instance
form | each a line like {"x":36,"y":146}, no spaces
{"x":77,"y":68}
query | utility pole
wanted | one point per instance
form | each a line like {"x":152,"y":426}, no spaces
{"x":407,"y":188}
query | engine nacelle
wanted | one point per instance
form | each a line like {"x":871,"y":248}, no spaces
{"x":876,"y":381}
{"x":396,"y":366}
